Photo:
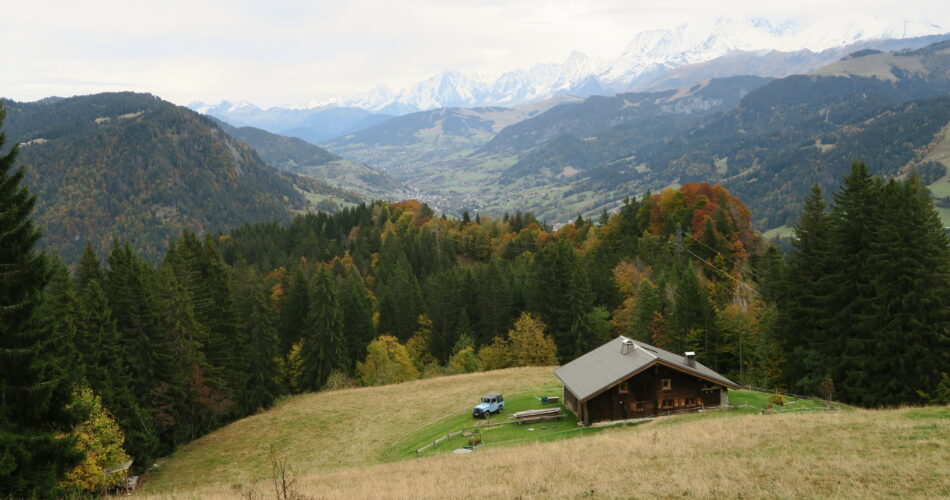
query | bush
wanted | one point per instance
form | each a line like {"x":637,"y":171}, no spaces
{"x":777,"y":399}
{"x":340,"y":380}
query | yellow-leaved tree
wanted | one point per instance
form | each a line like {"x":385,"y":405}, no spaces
{"x":464,"y":361}
{"x":496,"y":355}
{"x":530,"y":346}
{"x":387,"y":362}
{"x":101,"y":439}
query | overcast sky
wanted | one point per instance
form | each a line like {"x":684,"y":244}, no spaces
{"x":286,"y":52}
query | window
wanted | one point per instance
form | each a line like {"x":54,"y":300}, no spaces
{"x":666,"y":384}
{"x":634,"y":406}
{"x":689,"y":402}
{"x":667,"y":403}
{"x":623,"y":388}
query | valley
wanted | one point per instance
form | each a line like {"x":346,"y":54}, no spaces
{"x":700,"y":256}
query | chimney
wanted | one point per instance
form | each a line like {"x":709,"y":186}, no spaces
{"x":689,"y":359}
{"x":626,"y":346}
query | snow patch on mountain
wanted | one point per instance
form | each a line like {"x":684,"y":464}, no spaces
{"x":648,"y":55}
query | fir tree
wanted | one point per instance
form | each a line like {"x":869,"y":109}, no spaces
{"x":294,"y":311}
{"x":910,"y":326}
{"x":258,"y":341}
{"x":35,"y":385}
{"x":89,"y":268}
{"x":324,"y":348}
{"x":356,"y":306}
{"x":804,"y":311}
{"x":849,"y":342}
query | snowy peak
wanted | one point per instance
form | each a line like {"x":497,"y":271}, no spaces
{"x":648,"y":56}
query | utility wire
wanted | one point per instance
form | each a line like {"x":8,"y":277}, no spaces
{"x":733,"y":278}
{"x":734,"y":263}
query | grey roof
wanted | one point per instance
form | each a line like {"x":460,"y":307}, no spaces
{"x":606,"y":365}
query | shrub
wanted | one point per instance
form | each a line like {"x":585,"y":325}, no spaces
{"x":777,"y":399}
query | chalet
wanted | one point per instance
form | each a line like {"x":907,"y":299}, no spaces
{"x":626,"y":379}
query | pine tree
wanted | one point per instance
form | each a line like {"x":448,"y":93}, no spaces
{"x":910,"y":326}
{"x":294,"y":311}
{"x":494,"y":302}
{"x":89,"y":268}
{"x":849,"y":344}
{"x":584,"y":333}
{"x":549,"y":294}
{"x":257,"y":349}
{"x":693,"y":317}
{"x":324,"y":348}
{"x":106,"y":370}
{"x":35,"y":386}
{"x":356,"y":307}
{"x":400,"y":301}
{"x":804,"y":311}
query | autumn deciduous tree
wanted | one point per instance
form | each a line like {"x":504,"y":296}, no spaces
{"x":530,"y":345}
{"x":496,"y":355}
{"x":101,"y":439}
{"x":387,"y":362}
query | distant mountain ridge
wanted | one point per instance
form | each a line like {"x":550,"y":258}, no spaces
{"x":314,"y":125}
{"x":891,"y":110}
{"x":290,"y":154}
{"x":649,"y":56}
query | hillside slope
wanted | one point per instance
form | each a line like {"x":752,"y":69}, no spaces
{"x":769,"y":149}
{"x":291,"y":154}
{"x":131,"y":166}
{"x":338,"y":445}
{"x":407,"y":144}
{"x":309,"y":429}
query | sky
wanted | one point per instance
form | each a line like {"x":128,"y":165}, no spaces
{"x":281,"y":52}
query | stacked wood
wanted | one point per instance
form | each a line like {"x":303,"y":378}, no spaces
{"x":542,"y":418}
{"x":535,"y":413}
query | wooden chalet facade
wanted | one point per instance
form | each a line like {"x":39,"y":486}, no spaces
{"x":625,"y":379}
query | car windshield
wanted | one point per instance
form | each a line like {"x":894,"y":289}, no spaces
{"x":485,"y":400}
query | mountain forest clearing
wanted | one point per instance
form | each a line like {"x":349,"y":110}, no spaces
{"x":354,"y":442}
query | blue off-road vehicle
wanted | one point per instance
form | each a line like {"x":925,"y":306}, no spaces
{"x":492,"y":402}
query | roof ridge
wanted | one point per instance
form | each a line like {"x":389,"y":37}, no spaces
{"x":649,"y":352}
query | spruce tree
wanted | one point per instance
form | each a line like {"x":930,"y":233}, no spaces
{"x":324,"y":348}
{"x":89,"y":268}
{"x":356,"y":307}
{"x":257,"y":348}
{"x":107,"y":372}
{"x":910,"y":316}
{"x":804,"y":310}
{"x":849,"y":344}
{"x":294,"y":311}
{"x":36,"y":386}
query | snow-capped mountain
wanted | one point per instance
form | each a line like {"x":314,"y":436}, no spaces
{"x":648,"y":56}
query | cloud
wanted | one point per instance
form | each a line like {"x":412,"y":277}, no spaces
{"x":286,"y":52}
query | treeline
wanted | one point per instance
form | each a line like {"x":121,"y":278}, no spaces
{"x":865,"y":302}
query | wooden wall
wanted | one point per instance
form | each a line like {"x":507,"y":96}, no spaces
{"x":646,"y":397}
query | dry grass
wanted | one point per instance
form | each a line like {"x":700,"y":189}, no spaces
{"x":860,"y":454}
{"x":334,"y":430}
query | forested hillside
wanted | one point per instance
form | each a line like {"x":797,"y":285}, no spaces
{"x":297,"y":156}
{"x":148,"y":356}
{"x":133,"y":167}
{"x":887,"y":109}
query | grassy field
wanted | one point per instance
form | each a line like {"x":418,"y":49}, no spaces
{"x":360,"y":444}
{"x":340,"y":429}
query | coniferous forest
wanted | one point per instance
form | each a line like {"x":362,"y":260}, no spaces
{"x":145,"y":355}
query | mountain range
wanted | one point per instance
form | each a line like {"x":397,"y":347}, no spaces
{"x":649,"y":56}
